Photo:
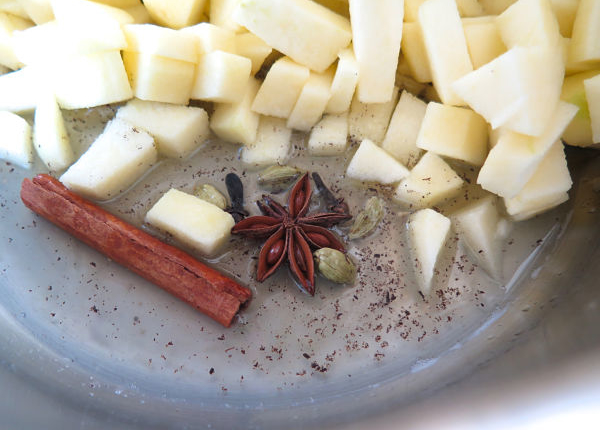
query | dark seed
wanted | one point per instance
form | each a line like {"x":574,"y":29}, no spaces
{"x":275,"y":252}
{"x":320,"y":240}
{"x":299,"y":257}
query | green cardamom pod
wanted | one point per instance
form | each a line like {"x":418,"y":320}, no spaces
{"x":335,"y":265}
{"x":367,"y":219}
{"x":277,"y":178}
{"x":210,"y":194}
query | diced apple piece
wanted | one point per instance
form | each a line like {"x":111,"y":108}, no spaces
{"x":565,"y":11}
{"x":428,"y":231}
{"x":20,"y":89}
{"x":529,"y":23}
{"x":579,"y":131}
{"x":592,"y":94}
{"x":477,"y":226}
{"x":329,"y":136}
{"x":237,"y":122}
{"x":585,"y":40}
{"x":221,"y":12}
{"x":469,"y":8}
{"x":413,"y":49}
{"x":211,"y":38}
{"x":177,"y":130}
{"x":116,"y":159}
{"x":9,"y":24}
{"x":183,"y":14}
{"x":401,"y":136}
{"x":281,"y":88}
{"x":370,"y":120}
{"x":15,"y":142}
{"x":221,"y":77}
{"x":311,"y":102}
{"x":445,"y":45}
{"x":193,"y":221}
{"x":454,"y":132}
{"x":376,"y":35}
{"x":430,"y":182}
{"x":519,"y":89}
{"x":484,"y":42}
{"x":159,"y":79}
{"x":344,"y":82}
{"x":40,"y":11}
{"x":151,"y":39}
{"x":546,"y":188}
{"x":91,"y":80}
{"x":88,"y":11}
{"x":370,"y":163}
{"x":514,"y":159}
{"x":50,"y":137}
{"x":411,"y":10}
{"x":272,"y":144}
{"x":254,"y":48}
{"x":305,"y":31}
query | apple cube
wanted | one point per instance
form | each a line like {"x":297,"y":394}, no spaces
{"x":311,"y":102}
{"x":20,"y":89}
{"x":428,"y":231}
{"x":307,"y":32}
{"x":565,"y":11}
{"x":40,"y":11}
{"x":8,"y":24}
{"x":430,"y":182}
{"x":151,"y":39}
{"x":272,"y":144}
{"x":477,"y":226}
{"x":177,"y":130}
{"x":413,"y":49}
{"x":176,"y":14}
{"x":344,"y":82}
{"x":514,"y":159}
{"x":454,"y":132}
{"x":519,"y":89}
{"x":88,"y":11}
{"x":253,"y":47}
{"x":159,"y":79}
{"x":401,"y":136}
{"x":592,"y":94}
{"x":329,"y":136}
{"x":15,"y":143}
{"x":281,"y":88}
{"x":371,"y":163}
{"x":211,"y":38}
{"x":114,"y":161}
{"x":191,"y":220}
{"x":376,"y":35}
{"x":237,"y":122}
{"x":50,"y":137}
{"x":221,"y":77}
{"x":445,"y":45}
{"x":546,"y":189}
{"x":370,"y":120}
{"x":579,"y":131}
{"x":91,"y":80}
{"x":529,"y":23}
{"x":221,"y":14}
{"x":484,"y":42}
{"x":585,"y":39}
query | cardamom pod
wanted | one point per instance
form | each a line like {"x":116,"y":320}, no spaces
{"x":367,"y":219}
{"x":277,"y":178}
{"x":335,"y":265}
{"x":210,"y":194}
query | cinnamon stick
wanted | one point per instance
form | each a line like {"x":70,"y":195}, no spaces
{"x":175,"y":271}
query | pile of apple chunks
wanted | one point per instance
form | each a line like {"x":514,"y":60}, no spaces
{"x":498,"y":85}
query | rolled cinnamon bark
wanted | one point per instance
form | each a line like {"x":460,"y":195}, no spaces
{"x":175,"y":271}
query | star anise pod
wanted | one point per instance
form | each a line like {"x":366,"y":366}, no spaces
{"x":291,"y":234}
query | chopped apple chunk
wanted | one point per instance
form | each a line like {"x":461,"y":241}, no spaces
{"x":221,"y":77}
{"x":272,"y":144}
{"x":191,"y":220}
{"x":592,"y":94}
{"x":484,"y":42}
{"x":344,"y":82}
{"x":114,"y":161}
{"x":20,"y":89}
{"x":529,"y":23}
{"x":254,"y":48}
{"x":585,"y":39}
{"x":427,"y":231}
{"x":50,"y":137}
{"x":177,"y":130}
{"x":164,"y":42}
{"x":187,"y":12}
{"x":430,"y":182}
{"x":211,"y":38}
{"x":579,"y":131}
{"x":413,"y":50}
{"x":370,"y":120}
{"x":15,"y":142}
{"x":311,"y":102}
{"x":329,"y":136}
{"x":370,"y":163}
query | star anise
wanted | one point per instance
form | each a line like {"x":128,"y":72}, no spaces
{"x":291,"y":234}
